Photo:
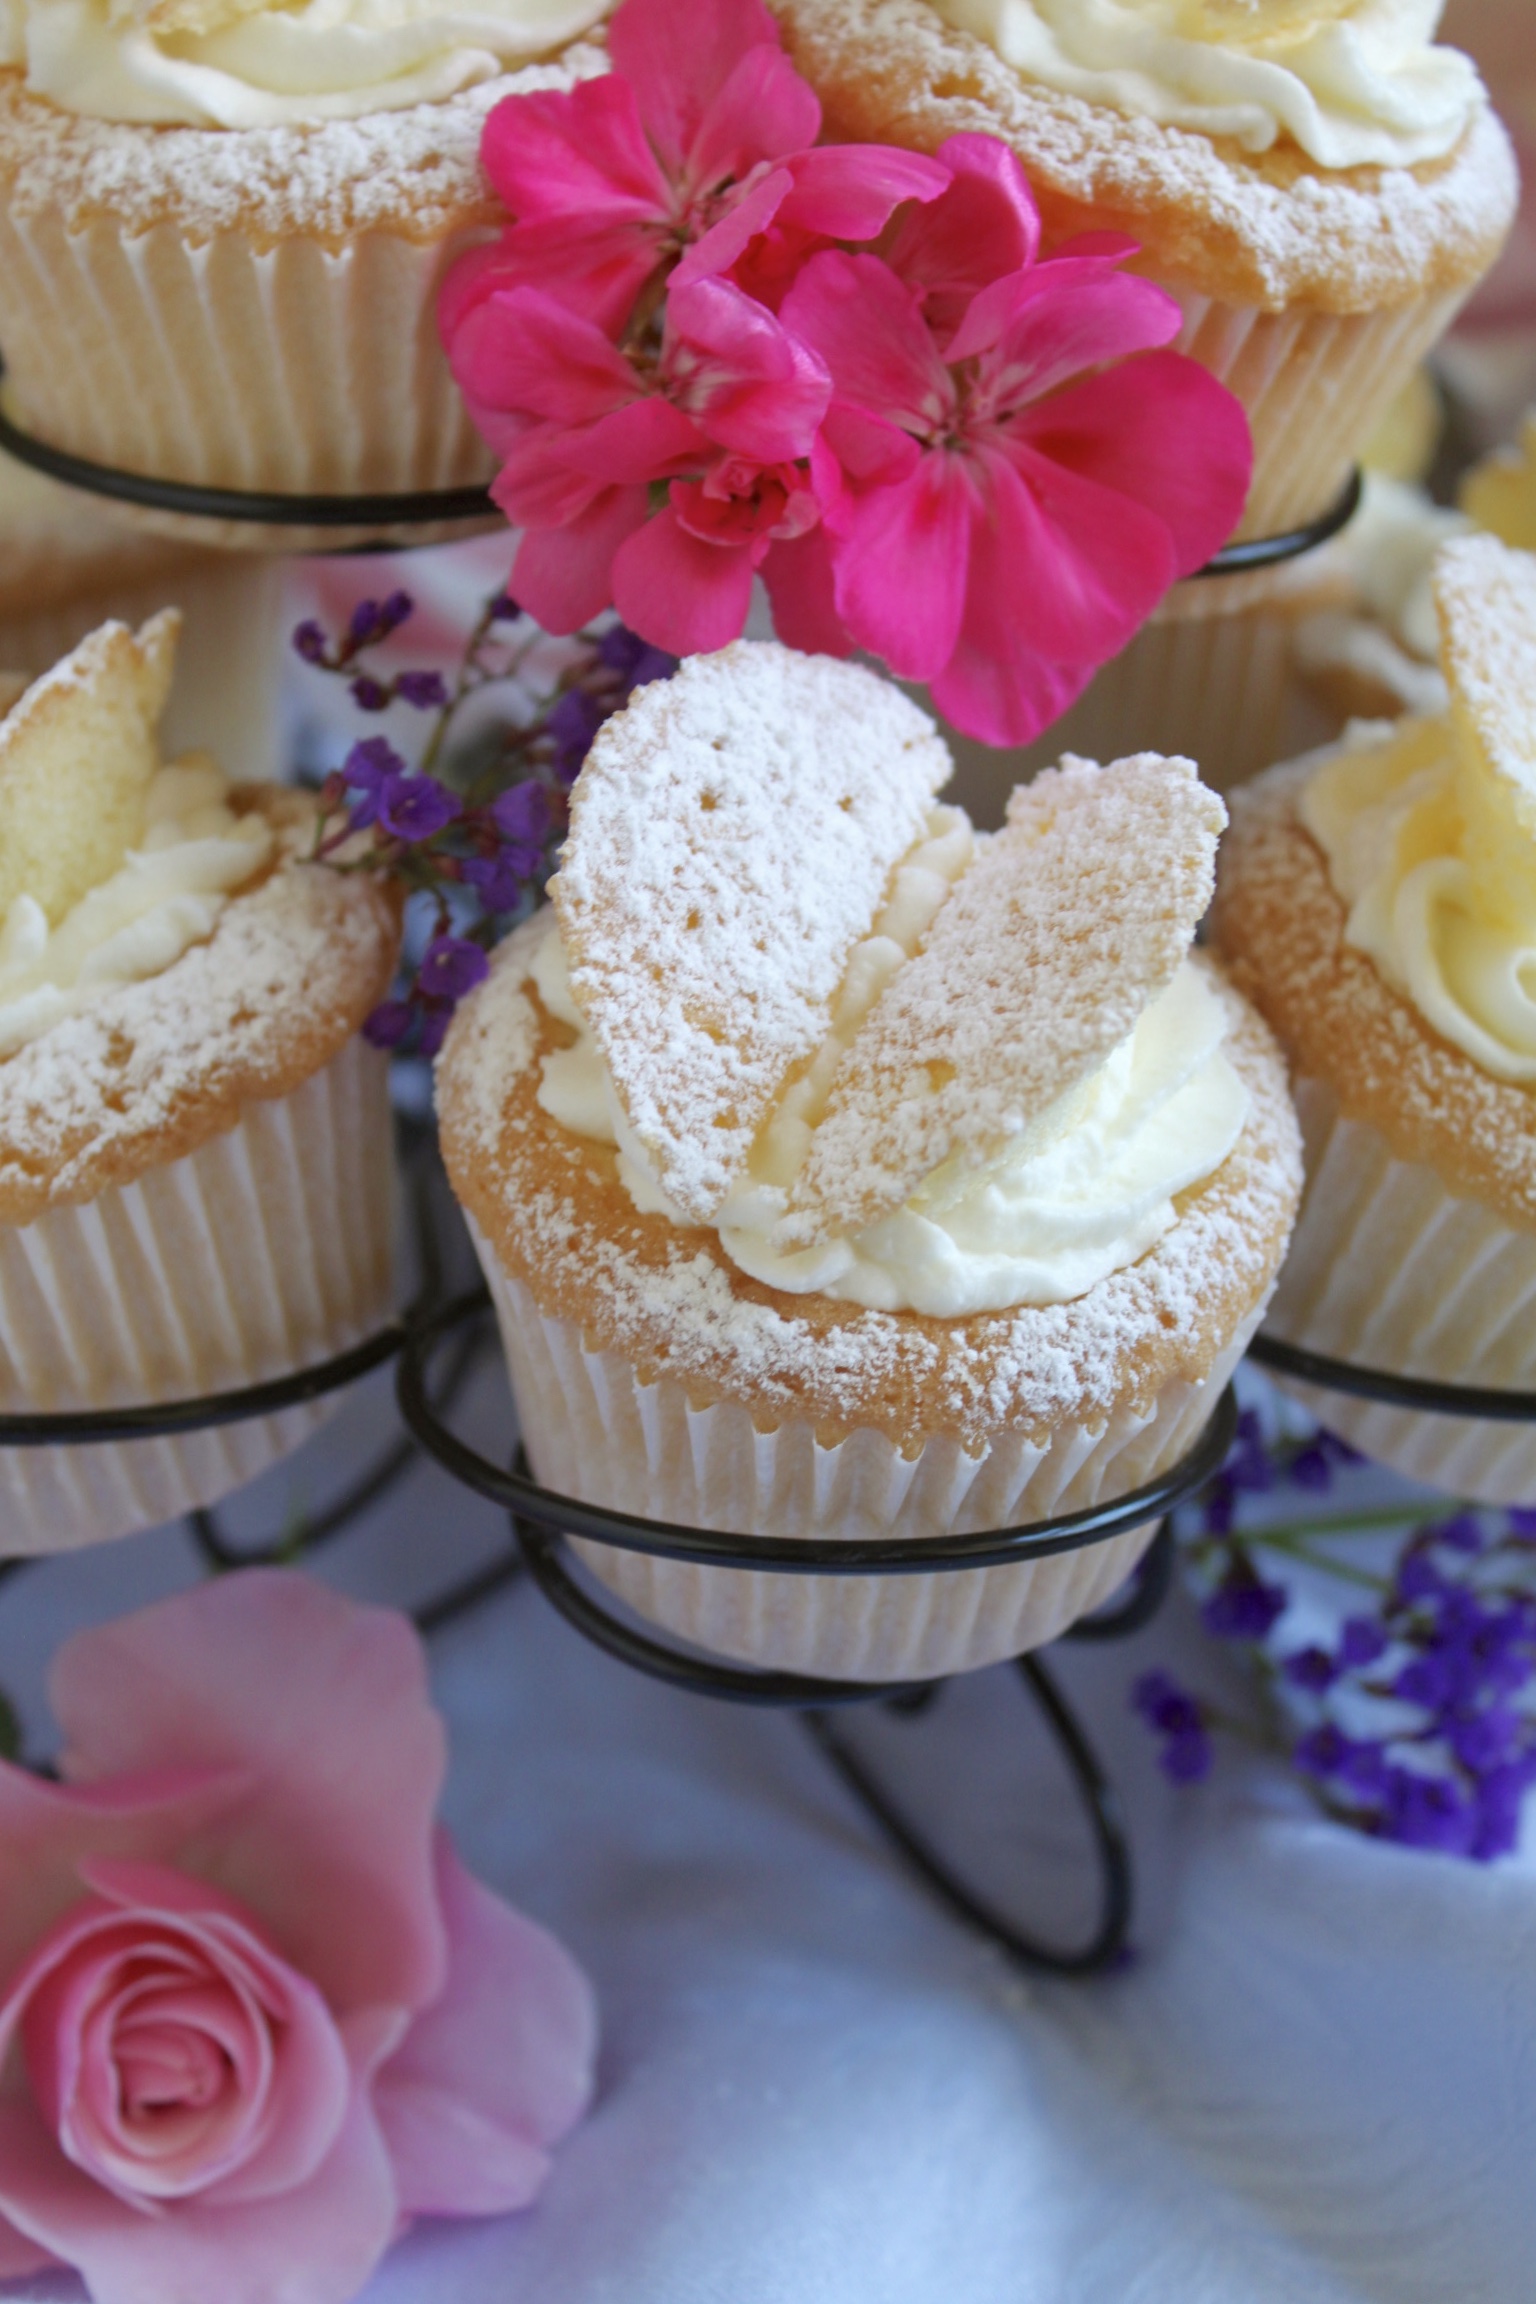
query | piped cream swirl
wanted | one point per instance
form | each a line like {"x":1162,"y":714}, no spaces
{"x":1354,"y":82}
{"x":221,"y":64}
{"x":1083,"y":1192}
{"x":166,"y":896}
{"x":1448,"y":919}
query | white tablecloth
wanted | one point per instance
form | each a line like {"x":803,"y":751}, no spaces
{"x":1315,"y":2083}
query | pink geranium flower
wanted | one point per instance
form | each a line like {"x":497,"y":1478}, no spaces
{"x":726,"y":414}
{"x":699,"y":138}
{"x":1005,"y":500}
{"x":254,"y":2013}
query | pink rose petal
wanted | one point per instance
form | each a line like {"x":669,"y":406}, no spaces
{"x":325,"y":1705}
{"x":498,"y":2071}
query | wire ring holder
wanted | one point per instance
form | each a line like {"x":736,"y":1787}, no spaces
{"x":433,"y":506}
{"x":542,"y":1519}
{"x":1427,"y":1394}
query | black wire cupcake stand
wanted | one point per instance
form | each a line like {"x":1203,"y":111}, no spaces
{"x":437,"y":1344}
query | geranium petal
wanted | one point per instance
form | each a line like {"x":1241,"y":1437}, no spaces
{"x":848,"y":191}
{"x":753,"y":386}
{"x":763,"y":111}
{"x":522,"y":349}
{"x":798,"y":575}
{"x":1033,"y":332}
{"x":580,"y":151}
{"x":1163,"y":432}
{"x":648,"y":440}
{"x":675,"y":81}
{"x":720,"y":247}
{"x":900,"y":561}
{"x":536,"y":487}
{"x":1081,"y":565}
{"x":498,"y":2070}
{"x":595,"y":267}
{"x":997,"y":690}
{"x":868,"y":328}
{"x":332,"y":1848}
{"x":564,"y":576}
{"x":983,"y":227}
{"x":679,"y":593}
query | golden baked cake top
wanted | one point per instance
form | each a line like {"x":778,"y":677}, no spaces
{"x":165,"y":955}
{"x":414,"y":173}
{"x":1267,"y":229}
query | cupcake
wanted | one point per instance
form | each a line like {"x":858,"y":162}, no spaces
{"x":1373,"y":654}
{"x":196,"y":1191}
{"x":1316,"y":184}
{"x":1378,"y":903}
{"x":223,"y":225}
{"x":839,"y":1170}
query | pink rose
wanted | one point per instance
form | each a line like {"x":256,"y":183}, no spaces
{"x":254,"y":2013}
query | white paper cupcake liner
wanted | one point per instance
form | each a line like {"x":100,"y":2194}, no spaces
{"x":296,"y":368}
{"x":594,"y":1431}
{"x":1314,"y":385}
{"x":1389,"y":1269}
{"x":269,"y":1248}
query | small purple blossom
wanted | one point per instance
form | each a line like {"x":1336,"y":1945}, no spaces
{"x":416,"y":808}
{"x":370,"y":695}
{"x":375,"y":620}
{"x":1243,"y":1606}
{"x":389,"y":1023}
{"x":504,"y":609}
{"x":426,"y":691}
{"x":309,"y":641}
{"x":1177,"y":1717}
{"x":450,"y":968}
{"x":1361,"y":1641}
{"x":1310,"y":1668}
{"x":521,"y":814}
{"x":373,"y":768}
{"x":436,"y":1016}
{"x":571,"y":727}
{"x":1424,"y":1811}
{"x":499,"y":881}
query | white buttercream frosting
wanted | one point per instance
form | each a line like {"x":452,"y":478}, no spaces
{"x":231,"y":64}
{"x":1083,"y":1192}
{"x":1447,"y":916}
{"x":1353,"y":82}
{"x":165,"y":896}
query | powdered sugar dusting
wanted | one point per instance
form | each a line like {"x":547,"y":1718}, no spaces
{"x":1068,"y":922}
{"x":1263,"y":229}
{"x":731,"y":839}
{"x":415,"y":172}
{"x":1486,"y":597}
{"x":154,"y":1069}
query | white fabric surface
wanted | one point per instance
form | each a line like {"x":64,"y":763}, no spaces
{"x":1315,"y":2085}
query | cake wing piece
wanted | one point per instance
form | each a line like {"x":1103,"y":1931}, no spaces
{"x":1069,"y":921}
{"x":732,"y":837}
{"x":76,"y":756}
{"x":1485,"y":596}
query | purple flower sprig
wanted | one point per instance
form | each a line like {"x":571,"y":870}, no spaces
{"x":471,"y":838}
{"x":1409,"y":1714}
